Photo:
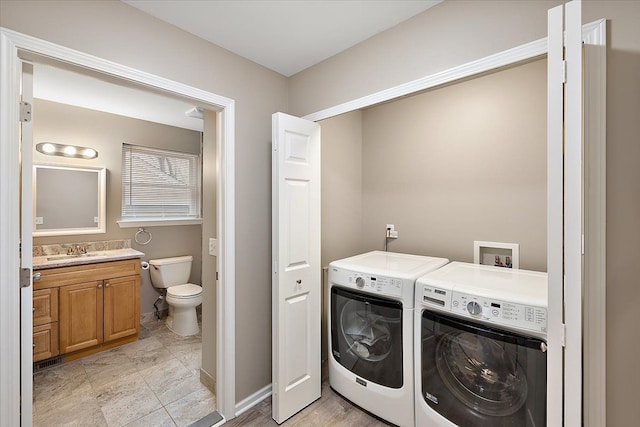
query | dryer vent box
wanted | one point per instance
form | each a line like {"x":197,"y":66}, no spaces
{"x":496,"y":254}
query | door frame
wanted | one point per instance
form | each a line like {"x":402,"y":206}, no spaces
{"x":14,"y":44}
{"x":594,"y":182}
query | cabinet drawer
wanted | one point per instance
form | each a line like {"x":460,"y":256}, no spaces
{"x":45,"y":306}
{"x":62,"y":276}
{"x":45,"y":341}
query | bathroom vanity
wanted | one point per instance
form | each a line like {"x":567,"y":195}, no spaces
{"x":85,"y":304}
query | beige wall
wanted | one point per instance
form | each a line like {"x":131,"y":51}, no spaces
{"x":105,"y":133}
{"x":462,"y":163}
{"x":455,"y":32}
{"x":209,"y":267}
{"x":341,"y":186}
{"x":120,"y":33}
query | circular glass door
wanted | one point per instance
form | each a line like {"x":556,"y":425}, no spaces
{"x":481,"y":373}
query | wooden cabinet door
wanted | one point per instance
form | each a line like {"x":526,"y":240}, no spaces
{"x":45,"y":341}
{"x":121,"y":307}
{"x":80,"y":313}
{"x":45,"y":306}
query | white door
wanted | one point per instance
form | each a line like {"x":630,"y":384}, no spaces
{"x":296,"y":264}
{"x":26,"y":253}
{"x":565,"y":222}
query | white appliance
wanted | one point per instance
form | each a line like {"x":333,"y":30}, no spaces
{"x":371,"y":300}
{"x":480,"y":347}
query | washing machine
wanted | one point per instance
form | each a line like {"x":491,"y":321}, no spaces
{"x":371,"y":300}
{"x":480,"y":343}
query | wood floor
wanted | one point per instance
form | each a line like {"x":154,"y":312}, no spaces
{"x":330,"y":410}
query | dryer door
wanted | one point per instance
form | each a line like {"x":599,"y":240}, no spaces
{"x":366,"y":336}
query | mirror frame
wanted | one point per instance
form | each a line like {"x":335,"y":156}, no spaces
{"x":102,"y":201}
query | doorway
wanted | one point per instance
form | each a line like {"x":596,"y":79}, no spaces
{"x":19,"y":48}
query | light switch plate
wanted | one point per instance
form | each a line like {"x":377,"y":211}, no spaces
{"x":213,"y":246}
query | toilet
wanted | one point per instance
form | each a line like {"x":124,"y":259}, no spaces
{"x":172,"y":274}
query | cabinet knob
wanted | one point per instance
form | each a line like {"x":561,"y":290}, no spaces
{"x":33,"y":309}
{"x":107,"y":285}
{"x":33,"y":345}
{"x":99,"y":286}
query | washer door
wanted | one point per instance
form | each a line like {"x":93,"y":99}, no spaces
{"x":366,"y":336}
{"x":474,"y":375}
{"x":481,"y":373}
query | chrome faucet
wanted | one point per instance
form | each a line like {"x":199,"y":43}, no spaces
{"x":77,"y":250}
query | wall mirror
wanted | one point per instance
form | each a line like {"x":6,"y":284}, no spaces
{"x":68,"y":200}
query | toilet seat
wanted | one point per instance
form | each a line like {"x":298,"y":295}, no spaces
{"x":188,"y":290}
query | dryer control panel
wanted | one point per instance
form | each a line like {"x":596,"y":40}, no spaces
{"x":488,"y":310}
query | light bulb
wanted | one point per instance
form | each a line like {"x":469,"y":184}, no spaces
{"x":89,"y":153}
{"x":48,"y":148}
{"x":69,"y":150}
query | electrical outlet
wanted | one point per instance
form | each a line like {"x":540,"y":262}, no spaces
{"x":96,"y":219}
{"x":391,"y":231}
{"x":39,"y":220}
{"x":391,"y":227}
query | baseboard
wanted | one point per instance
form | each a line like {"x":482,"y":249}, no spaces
{"x":250,"y":401}
{"x":208,"y":380}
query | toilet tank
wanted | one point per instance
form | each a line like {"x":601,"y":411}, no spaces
{"x":167,"y":272}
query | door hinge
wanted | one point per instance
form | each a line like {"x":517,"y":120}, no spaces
{"x":25,"y":111}
{"x":564,"y":71}
{"x":216,"y":276}
{"x":583,"y":244}
{"x":563,"y":335}
{"x":25,"y":277}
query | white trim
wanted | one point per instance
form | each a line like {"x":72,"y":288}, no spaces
{"x":9,"y":226}
{"x":554,"y":217}
{"x":595,"y":260}
{"x":252,"y":400}
{"x":517,"y":54}
{"x":525,"y":52}
{"x":573,"y":214}
{"x":11,"y":43}
{"x":132,"y":223}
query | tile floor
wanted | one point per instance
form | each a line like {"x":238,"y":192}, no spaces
{"x":154,"y":381}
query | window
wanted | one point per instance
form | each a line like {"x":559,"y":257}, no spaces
{"x":160,"y":184}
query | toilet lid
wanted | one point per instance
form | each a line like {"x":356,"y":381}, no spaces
{"x":187,"y":290}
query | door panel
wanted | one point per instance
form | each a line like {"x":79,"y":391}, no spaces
{"x":80,"y":316}
{"x":296,"y":261}
{"x":26,"y":252}
{"x":121,"y":307}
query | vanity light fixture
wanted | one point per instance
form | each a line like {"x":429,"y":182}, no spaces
{"x":53,"y":149}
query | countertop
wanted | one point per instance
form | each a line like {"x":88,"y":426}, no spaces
{"x":51,"y":261}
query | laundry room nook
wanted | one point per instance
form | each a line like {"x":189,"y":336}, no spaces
{"x":454,"y":173}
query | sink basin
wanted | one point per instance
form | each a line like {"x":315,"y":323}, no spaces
{"x":87,"y":255}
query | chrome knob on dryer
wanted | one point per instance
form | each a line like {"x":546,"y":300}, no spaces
{"x":359,"y":282}
{"x":474,"y":308}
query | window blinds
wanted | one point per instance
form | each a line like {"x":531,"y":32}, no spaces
{"x":160,"y":184}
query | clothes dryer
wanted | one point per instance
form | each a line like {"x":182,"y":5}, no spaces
{"x":371,"y":301}
{"x":480,"y":342}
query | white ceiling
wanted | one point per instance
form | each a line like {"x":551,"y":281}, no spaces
{"x":296,"y":35}
{"x":284,"y":36}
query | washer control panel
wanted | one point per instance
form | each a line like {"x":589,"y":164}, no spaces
{"x":369,"y":283}
{"x":488,"y":310}
{"x":376,"y":284}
